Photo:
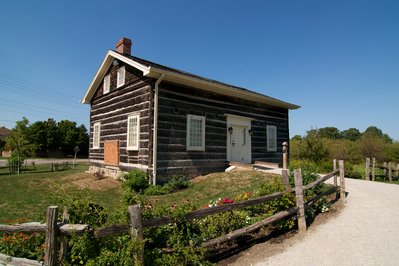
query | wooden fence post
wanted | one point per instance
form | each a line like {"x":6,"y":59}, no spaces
{"x":52,"y":167}
{"x":390,"y":172}
{"x":286,"y":180}
{"x":51,"y":236}
{"x":63,"y":242}
{"x":367,"y":168}
{"x":299,"y":200}
{"x":335,"y":168}
{"x":285,"y":156}
{"x":385,"y":169}
{"x":342,"y":180}
{"x":373,"y":170}
{"x":136,"y":230}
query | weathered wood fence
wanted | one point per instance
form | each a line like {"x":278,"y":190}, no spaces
{"x":388,"y":167}
{"x":54,"y":167}
{"x":54,"y":230}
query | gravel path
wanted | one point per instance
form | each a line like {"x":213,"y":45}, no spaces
{"x":365,"y":232}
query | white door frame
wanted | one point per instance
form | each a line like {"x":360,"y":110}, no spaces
{"x":236,"y":120}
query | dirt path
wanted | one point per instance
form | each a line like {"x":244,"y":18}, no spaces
{"x":364,"y":232}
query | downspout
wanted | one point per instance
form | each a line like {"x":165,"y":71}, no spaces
{"x":155,"y":132}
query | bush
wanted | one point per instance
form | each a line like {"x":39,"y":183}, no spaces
{"x":156,"y":190}
{"x":178,"y":183}
{"x":30,"y":246}
{"x":175,"y":184}
{"x":89,"y":250}
{"x":310,"y":166}
{"x":136,"y":180}
{"x":352,"y":172}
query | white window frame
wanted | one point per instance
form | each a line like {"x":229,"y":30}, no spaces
{"x":121,"y":76}
{"x":96,"y":135}
{"x":195,"y":148}
{"x":269,"y":136}
{"x":107,"y":84}
{"x":133,"y":146}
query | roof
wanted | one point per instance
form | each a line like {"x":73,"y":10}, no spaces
{"x":155,"y":70}
{"x":4,"y":132}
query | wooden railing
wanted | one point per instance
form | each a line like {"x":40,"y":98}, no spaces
{"x":388,"y":168}
{"x":53,"y":230}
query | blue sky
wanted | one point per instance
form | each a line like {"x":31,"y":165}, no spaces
{"x":339,"y":59}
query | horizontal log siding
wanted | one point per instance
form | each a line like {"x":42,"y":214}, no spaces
{"x":112,"y":110}
{"x":175,"y":102}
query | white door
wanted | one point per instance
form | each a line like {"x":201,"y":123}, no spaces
{"x":239,"y":144}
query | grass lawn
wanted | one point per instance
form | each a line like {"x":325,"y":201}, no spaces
{"x":27,"y":196}
{"x":214,"y":186}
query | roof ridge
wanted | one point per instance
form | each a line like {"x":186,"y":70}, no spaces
{"x":151,"y":63}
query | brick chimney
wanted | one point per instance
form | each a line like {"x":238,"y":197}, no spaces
{"x":124,"y":46}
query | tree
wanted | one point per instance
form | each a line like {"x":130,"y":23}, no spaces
{"x":18,"y":142}
{"x":310,"y":148}
{"x":71,"y":136}
{"x":376,"y":132}
{"x":2,"y":144}
{"x":83,"y":139}
{"x":329,"y":133}
{"x":352,"y":134}
{"x":391,"y":152}
{"x":53,"y":139}
{"x":343,"y":149}
{"x":296,"y":137}
{"x":371,"y":146}
{"x":38,"y":136}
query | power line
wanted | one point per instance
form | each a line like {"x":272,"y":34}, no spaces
{"x":26,"y":92}
{"x":5,"y":120}
{"x":32,"y":84}
{"x":29,"y":106}
{"x":37,"y":113}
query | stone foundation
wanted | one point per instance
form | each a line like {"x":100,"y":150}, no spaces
{"x":107,"y":171}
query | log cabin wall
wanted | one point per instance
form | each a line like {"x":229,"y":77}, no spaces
{"x":112,"y":110}
{"x":176,"y":102}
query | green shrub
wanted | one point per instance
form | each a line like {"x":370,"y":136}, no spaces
{"x":135,"y":180}
{"x":305,"y":165}
{"x":30,"y":246}
{"x":222,"y":223}
{"x":352,"y":172}
{"x":174,"y":184}
{"x":156,"y":190}
{"x":310,"y":166}
{"x":178,"y":183}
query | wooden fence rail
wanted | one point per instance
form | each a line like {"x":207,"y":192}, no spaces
{"x":54,"y":230}
{"x":388,"y":168}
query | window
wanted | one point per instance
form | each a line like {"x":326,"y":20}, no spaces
{"x":271,"y":138}
{"x":195,"y":133}
{"x":96,"y":135}
{"x":120,"y":77}
{"x":133,"y":132}
{"x":107,"y":79}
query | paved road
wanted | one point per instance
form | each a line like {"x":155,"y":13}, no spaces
{"x":365,"y":232}
{"x":47,"y":161}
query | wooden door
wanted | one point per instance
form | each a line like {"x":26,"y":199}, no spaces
{"x":239,"y":144}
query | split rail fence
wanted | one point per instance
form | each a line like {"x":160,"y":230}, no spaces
{"x":55,"y":230}
{"x":388,"y":168}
